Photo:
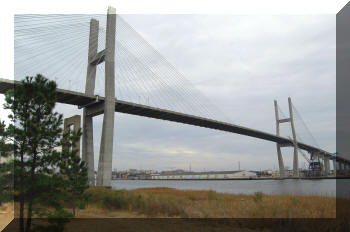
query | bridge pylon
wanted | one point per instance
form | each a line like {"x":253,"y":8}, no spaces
{"x":279,"y":152}
{"x":107,"y":56}
{"x":295,"y":144}
{"x":326,"y":166}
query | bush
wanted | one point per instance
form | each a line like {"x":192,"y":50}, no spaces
{"x":138,"y":202}
{"x":110,"y":199}
{"x":258,"y":197}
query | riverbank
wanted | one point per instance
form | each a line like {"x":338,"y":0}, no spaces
{"x":132,"y":206}
{"x":168,"y":202}
{"x":251,"y":178}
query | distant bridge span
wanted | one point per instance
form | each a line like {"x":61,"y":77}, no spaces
{"x":96,"y":104}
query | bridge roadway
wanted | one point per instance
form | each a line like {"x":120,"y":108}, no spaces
{"x":95,"y":106}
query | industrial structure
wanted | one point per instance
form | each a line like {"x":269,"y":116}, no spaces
{"x":94,"y":105}
{"x":219,"y":175}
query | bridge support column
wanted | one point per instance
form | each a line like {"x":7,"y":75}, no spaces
{"x":334,"y":166}
{"x":338,"y":167}
{"x":341,"y":168}
{"x":88,"y":141}
{"x":295,"y":157}
{"x":75,"y":121}
{"x":279,"y":153}
{"x":323,"y":167}
{"x":106,"y":149}
{"x":326,"y":166}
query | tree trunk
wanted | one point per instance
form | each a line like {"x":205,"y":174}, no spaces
{"x":29,"y":216}
{"x":32,"y":180}
{"x":21,"y":213}
{"x":21,"y":200}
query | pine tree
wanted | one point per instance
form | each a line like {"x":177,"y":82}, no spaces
{"x":73,"y":170}
{"x":6,"y":166}
{"x":43,"y":175}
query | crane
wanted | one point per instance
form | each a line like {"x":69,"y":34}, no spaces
{"x":315,"y":166}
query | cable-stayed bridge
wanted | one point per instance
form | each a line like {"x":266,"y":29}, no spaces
{"x":62,"y":47}
{"x":96,"y":103}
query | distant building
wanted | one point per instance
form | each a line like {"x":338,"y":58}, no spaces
{"x":133,"y":171}
{"x":133,"y":174}
{"x":205,"y":175}
{"x":265,"y":173}
{"x":177,"y":171}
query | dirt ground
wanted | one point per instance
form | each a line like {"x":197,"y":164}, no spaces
{"x":6,"y":215}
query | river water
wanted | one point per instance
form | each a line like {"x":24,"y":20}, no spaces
{"x":320,"y":187}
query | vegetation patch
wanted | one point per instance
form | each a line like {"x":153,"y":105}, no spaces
{"x":168,"y":202}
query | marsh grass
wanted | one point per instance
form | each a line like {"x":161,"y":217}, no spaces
{"x":149,"y":204}
{"x":168,"y":202}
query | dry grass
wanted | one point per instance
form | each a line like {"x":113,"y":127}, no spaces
{"x":211,"y":204}
{"x":168,"y":202}
{"x":172,"y":203}
{"x":97,"y":212}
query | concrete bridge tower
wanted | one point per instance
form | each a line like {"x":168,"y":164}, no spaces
{"x":279,"y":153}
{"x":295,"y":144}
{"x":95,"y":58}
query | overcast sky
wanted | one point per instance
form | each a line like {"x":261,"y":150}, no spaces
{"x":241,"y":63}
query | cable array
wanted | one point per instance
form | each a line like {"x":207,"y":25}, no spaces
{"x":57,"y":47}
{"x":303,"y":133}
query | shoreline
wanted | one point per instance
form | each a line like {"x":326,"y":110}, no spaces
{"x":262,"y":178}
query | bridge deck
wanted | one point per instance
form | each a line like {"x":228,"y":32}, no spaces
{"x":81,"y":99}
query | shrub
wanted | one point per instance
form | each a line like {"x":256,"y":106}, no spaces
{"x":110,"y":199}
{"x":258,"y":196}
